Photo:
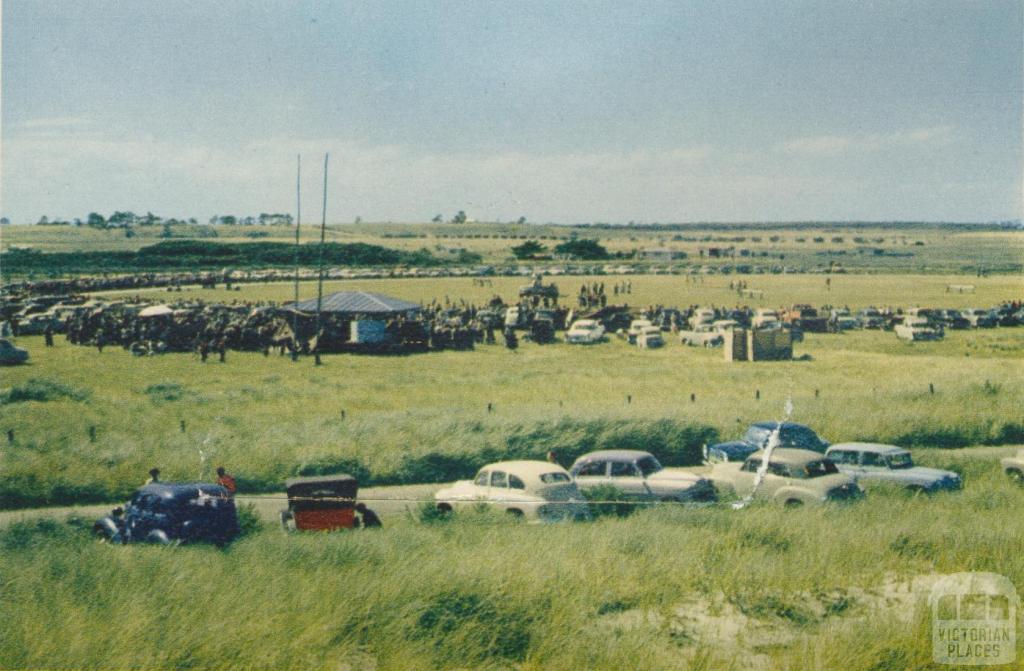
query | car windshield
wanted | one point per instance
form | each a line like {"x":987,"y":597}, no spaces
{"x":648,"y":465}
{"x":900,"y":460}
{"x":554,"y":478}
{"x":816,"y":469}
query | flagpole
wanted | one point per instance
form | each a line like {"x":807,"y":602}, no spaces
{"x":320,"y":270}
{"x":298,"y":224}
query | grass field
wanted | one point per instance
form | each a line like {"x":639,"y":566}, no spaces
{"x":839,"y":587}
{"x":927,"y":249}
{"x":855,"y":291}
{"x":425,"y":418}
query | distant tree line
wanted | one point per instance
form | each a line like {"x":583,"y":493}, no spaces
{"x":128,"y":219}
{"x":202,"y":255}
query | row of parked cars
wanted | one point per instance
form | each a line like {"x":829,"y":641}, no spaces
{"x":804,"y":471}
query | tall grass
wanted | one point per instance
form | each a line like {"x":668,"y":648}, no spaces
{"x":425,"y":418}
{"x":668,"y":588}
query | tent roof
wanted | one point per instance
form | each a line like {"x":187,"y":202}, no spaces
{"x":364,"y":302}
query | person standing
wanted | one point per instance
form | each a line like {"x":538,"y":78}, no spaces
{"x":369,"y":518}
{"x":226,"y":480}
{"x":48,"y":335}
{"x":154,"y":476}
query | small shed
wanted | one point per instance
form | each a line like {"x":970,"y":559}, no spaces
{"x":758,"y":345}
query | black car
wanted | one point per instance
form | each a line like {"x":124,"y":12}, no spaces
{"x":165,"y":513}
{"x":756,"y":438}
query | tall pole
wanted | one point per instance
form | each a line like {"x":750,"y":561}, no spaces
{"x":298,"y":224}
{"x":320,"y":265}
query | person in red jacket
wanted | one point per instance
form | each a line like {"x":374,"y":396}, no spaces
{"x":225,"y":480}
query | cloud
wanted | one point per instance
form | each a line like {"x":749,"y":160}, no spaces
{"x":54,"y":122}
{"x":832,"y":145}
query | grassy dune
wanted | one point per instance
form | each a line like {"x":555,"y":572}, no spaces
{"x":714,"y":588}
{"x":425,"y":417}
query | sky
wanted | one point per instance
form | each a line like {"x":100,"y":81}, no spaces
{"x":562,"y":112}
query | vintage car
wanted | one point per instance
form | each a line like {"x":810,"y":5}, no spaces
{"x":636,"y":327}
{"x":1014,"y":467}
{"x":951,"y":319}
{"x":795,"y":477}
{"x":702,"y":316}
{"x":702,"y":335}
{"x":872,"y":462}
{"x":650,"y":338}
{"x":533,"y":490}
{"x":766,"y":318}
{"x":980,"y":319}
{"x":756,"y":438}
{"x":320,"y":503}
{"x":165,"y":513}
{"x":807,"y":318}
{"x":871,"y":318}
{"x":639,"y":475}
{"x":585,"y":332}
{"x":11,"y":355}
{"x":36,"y":324}
{"x":917,"y":328}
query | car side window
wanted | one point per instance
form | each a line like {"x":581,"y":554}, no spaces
{"x":592,"y":469}
{"x":499,"y":479}
{"x":778,"y":469}
{"x":623,"y":469}
{"x":515,"y":483}
{"x":481,"y":479}
{"x":751,"y":465}
{"x":871,"y":459}
{"x":843,"y":457}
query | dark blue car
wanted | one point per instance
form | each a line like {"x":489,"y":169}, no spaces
{"x":756,"y":438}
{"x":165,"y":513}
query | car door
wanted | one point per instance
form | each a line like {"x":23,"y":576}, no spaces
{"x":744,"y":479}
{"x":848,"y":461}
{"x":626,"y":477}
{"x":592,"y":474}
{"x":481,"y":485}
{"x":499,"y":492}
{"x":872,"y":465}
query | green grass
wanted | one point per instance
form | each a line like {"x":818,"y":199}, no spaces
{"x":712,"y":588}
{"x":425,"y":417}
{"x":928,"y":249}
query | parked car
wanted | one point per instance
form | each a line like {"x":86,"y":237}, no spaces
{"x":702,"y":316}
{"x":534,"y":490}
{"x":889,"y":463}
{"x":11,"y":355}
{"x":650,"y":338}
{"x":702,"y":335}
{"x":636,"y":327}
{"x":36,"y":324}
{"x":320,"y":503}
{"x":981,"y":319}
{"x":585,"y":332}
{"x":952,"y":319}
{"x":765,"y":318}
{"x":1014,"y":467}
{"x":794,"y":477}
{"x":917,"y":328}
{"x":639,"y":475}
{"x":871,"y":318}
{"x":165,"y":513}
{"x":756,"y":438}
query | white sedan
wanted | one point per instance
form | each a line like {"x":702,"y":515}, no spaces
{"x":585,"y":332}
{"x":533,"y":490}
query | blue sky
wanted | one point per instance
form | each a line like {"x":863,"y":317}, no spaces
{"x":558,"y":111}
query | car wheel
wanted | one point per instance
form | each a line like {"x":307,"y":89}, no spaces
{"x":444,"y":508}
{"x":515,"y":514}
{"x":794,"y":503}
{"x":1016,"y":475}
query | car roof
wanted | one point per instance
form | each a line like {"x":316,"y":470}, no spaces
{"x":785,"y":425}
{"x":880,"y":448}
{"x":614,"y":455}
{"x":525,"y":467}
{"x":790,"y":455}
{"x":173,"y":490}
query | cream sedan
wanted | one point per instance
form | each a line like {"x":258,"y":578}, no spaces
{"x":533,"y":490}
{"x":795,"y":477}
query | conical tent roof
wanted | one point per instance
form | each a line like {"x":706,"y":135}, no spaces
{"x":361,"y":302}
